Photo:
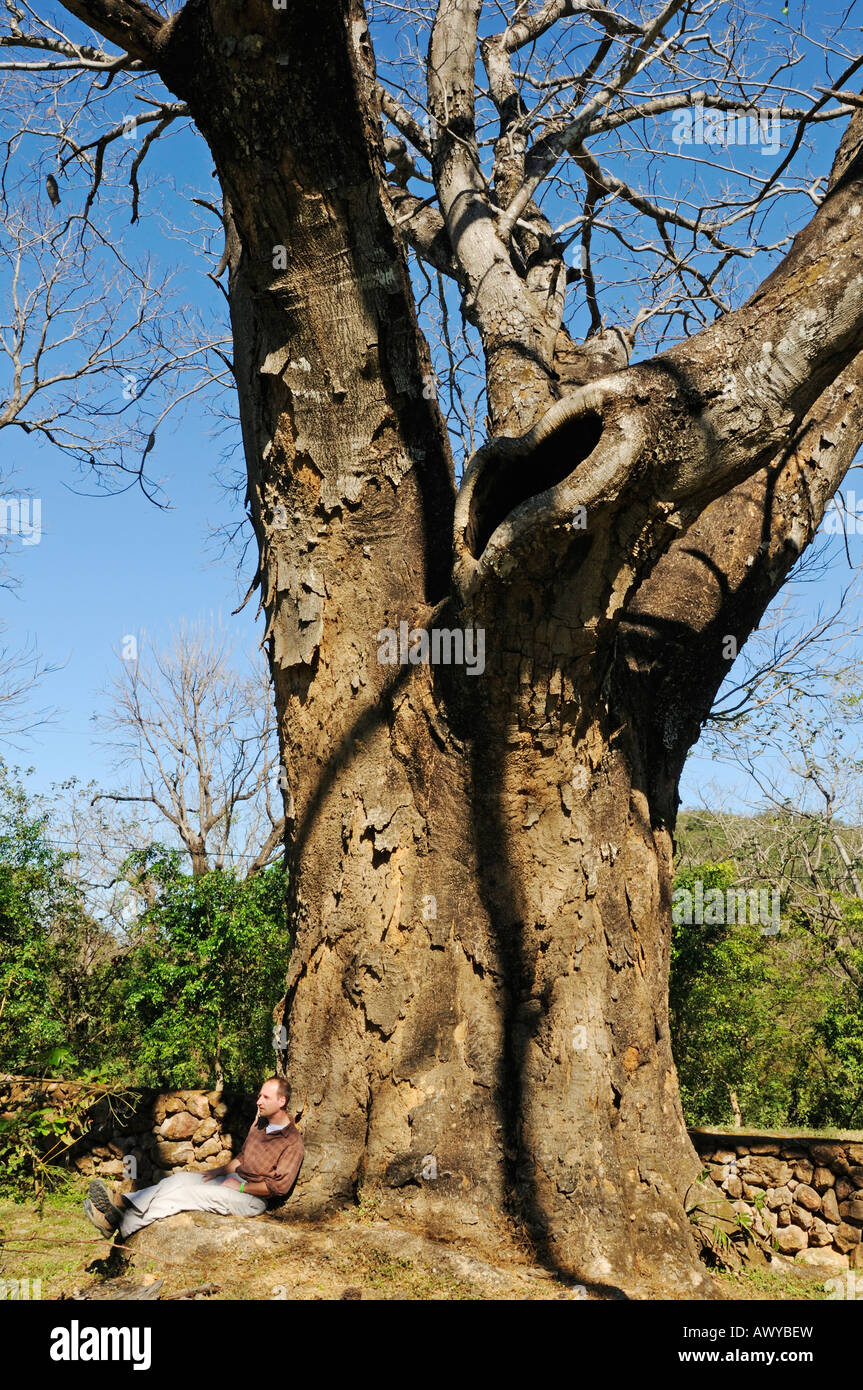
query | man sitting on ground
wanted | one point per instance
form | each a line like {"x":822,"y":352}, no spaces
{"x":265,"y":1168}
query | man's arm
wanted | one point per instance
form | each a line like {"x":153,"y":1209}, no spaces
{"x":225,"y":1168}
{"x":282,"y":1180}
{"x":254,"y":1189}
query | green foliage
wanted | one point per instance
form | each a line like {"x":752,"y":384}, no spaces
{"x":184,"y":998}
{"x":195,"y":995}
{"x":33,"y":1137}
{"x":769,"y":1017}
{"x":53,"y":956}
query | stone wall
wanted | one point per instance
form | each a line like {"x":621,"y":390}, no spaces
{"x":803,"y":1190}
{"x":138,"y":1137}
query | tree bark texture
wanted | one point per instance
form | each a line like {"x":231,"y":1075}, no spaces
{"x":481,"y":864}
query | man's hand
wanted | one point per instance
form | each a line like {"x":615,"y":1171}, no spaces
{"x":231,"y":1182}
{"x":230,"y":1167}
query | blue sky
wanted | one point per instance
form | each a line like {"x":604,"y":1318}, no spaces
{"x":112,"y":565}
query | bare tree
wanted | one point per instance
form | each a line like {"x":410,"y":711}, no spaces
{"x":481,"y":862}
{"x":97,"y":351}
{"x":197,"y":742}
{"x":21,"y":671}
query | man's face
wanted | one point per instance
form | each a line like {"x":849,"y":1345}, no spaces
{"x":269,"y":1101}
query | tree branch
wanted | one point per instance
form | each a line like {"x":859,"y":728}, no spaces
{"x":130,"y":24}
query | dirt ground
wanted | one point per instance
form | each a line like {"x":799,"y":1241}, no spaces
{"x":350,"y":1255}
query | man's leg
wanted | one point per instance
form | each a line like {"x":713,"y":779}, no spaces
{"x":186,"y":1192}
{"x":136,"y":1205}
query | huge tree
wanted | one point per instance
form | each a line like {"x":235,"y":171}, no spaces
{"x":481,"y":859}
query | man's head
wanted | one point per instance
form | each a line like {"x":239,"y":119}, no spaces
{"x":273,"y":1100}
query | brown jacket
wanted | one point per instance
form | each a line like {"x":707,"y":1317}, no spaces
{"x":274,"y":1159}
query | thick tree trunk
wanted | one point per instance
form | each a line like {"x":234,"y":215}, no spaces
{"x":480,"y":863}
{"x":476,"y":1008}
{"x":477,"y":1005}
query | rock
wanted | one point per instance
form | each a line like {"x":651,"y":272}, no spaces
{"x":846,"y":1237}
{"x":819,"y":1232}
{"x":769,"y":1172}
{"x":197,"y":1104}
{"x":751,"y":1192}
{"x":801,"y":1217}
{"x":718,"y":1172}
{"x":174,"y":1155}
{"x":807,"y":1197}
{"x":759,"y":1146}
{"x":180,"y":1125}
{"x":852,"y":1211}
{"x":220,"y":1109}
{"x":822,"y":1179}
{"x":783,"y":1216}
{"x":710,"y":1212}
{"x":829,"y":1205}
{"x":829,"y":1259}
{"x":85,"y":1165}
{"x":791,"y":1239}
{"x":854,"y":1153}
{"x":173,"y":1104}
{"x":734,"y":1187}
{"x":214,"y":1097}
{"x":791,"y":1184}
{"x":778,"y":1197}
{"x":209,"y":1148}
{"x":203,"y":1237}
{"x":856,"y":1176}
{"x":855,"y":1256}
{"x":204,"y":1130}
{"x":724,"y":1156}
{"x":112,"y":1168}
{"x":844,"y":1188}
{"x":830,"y":1155}
{"x":803,"y":1171}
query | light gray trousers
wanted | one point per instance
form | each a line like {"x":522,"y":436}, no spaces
{"x":185,"y":1192}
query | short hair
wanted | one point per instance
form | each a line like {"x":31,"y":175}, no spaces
{"x":284,"y":1089}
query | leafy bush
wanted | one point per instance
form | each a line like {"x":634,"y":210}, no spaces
{"x":769,"y":1017}
{"x":183,"y":997}
{"x":194,"y":996}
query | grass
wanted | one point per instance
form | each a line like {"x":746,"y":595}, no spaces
{"x":399,"y":1278}
{"x":57,"y":1245}
{"x":54,"y":1245}
{"x":770,"y":1284}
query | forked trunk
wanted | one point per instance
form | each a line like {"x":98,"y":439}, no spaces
{"x":480,"y":850}
{"x":477,"y":1006}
